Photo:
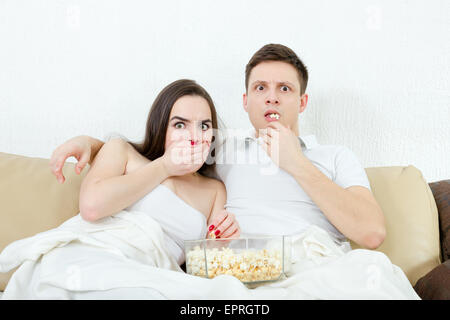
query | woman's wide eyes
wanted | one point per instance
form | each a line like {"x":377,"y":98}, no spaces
{"x":284,"y":88}
{"x":181,"y":125}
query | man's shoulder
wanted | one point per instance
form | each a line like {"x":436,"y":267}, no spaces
{"x":332,"y":147}
{"x":310,"y":143}
{"x":332,"y":156}
{"x":328,"y":149}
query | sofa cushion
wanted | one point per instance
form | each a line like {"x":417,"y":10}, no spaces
{"x":411,"y":217}
{"x":31,"y":200}
{"x":435,"y":285}
{"x":441,"y":193}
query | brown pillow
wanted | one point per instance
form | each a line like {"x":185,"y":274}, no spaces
{"x":441,"y":193}
{"x":31,"y":200}
{"x":435,"y":285}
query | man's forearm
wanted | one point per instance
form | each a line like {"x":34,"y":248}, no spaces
{"x":355,"y":217}
{"x":96,"y":145}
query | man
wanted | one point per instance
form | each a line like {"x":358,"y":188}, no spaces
{"x":322,"y":185}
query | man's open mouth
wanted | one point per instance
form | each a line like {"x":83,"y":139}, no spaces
{"x":271,"y":115}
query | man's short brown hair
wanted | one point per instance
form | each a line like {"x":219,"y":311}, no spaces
{"x":278,"y":52}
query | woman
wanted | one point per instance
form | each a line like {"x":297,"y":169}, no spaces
{"x":177,"y":141}
{"x":162,"y":177}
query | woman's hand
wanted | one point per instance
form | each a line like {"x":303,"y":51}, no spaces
{"x":224,"y":226}
{"x":78,"y":147}
{"x":183,"y":157}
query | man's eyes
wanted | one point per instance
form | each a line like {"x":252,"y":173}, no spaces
{"x":282,"y":88}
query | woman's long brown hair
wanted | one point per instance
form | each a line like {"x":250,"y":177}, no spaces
{"x":158,"y":118}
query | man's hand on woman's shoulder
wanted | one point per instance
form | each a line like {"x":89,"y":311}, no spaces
{"x":83,"y":148}
{"x":78,"y":147}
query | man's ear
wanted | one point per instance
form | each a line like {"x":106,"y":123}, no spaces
{"x":244,"y":101}
{"x":303,"y":103}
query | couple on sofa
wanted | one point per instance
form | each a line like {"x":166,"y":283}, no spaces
{"x":321,"y":185}
{"x":283,"y":185}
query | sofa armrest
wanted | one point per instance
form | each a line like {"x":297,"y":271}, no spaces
{"x":441,"y":194}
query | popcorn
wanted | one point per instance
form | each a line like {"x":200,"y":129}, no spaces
{"x":246,"y":265}
{"x":212,"y":235}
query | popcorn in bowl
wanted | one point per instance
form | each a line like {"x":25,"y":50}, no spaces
{"x":250,"y":260}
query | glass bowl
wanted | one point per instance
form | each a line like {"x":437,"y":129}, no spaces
{"x":253,"y":260}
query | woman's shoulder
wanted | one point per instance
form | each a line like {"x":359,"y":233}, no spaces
{"x":116,"y":146}
{"x":122,"y":148}
{"x":110,"y":161}
{"x":122,"y":144}
{"x":116,"y":143}
{"x":112,"y":147}
{"x":135,"y":159}
{"x":214,"y":184}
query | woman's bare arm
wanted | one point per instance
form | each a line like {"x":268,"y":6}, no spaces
{"x":106,"y":189}
{"x":222,"y":223}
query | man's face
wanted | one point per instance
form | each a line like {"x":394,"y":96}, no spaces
{"x":274,"y":95}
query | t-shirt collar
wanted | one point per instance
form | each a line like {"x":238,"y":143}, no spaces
{"x":306,"y":142}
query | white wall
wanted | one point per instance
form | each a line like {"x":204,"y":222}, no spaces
{"x":379,"y":70}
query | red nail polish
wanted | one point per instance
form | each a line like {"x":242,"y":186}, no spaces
{"x":192,"y":142}
{"x":217,"y":232}
{"x":211,"y":227}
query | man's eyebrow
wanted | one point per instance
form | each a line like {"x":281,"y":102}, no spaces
{"x":287,"y":82}
{"x":278,"y":82}
{"x":258,"y":82}
{"x":187,"y":120}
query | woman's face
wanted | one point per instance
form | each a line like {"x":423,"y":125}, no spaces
{"x":190,"y":119}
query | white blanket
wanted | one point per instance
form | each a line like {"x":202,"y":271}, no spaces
{"x":124,"y":256}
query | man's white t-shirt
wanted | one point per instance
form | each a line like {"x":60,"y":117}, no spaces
{"x":267,"y":200}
